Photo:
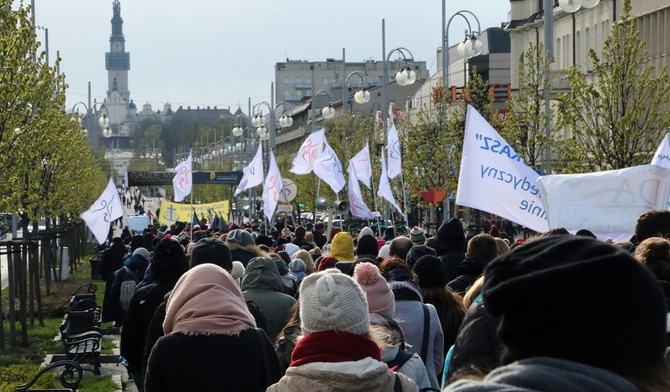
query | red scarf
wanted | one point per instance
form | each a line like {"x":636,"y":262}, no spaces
{"x":333,"y":346}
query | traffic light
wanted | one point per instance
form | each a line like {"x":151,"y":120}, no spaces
{"x":439,"y":207}
{"x":301,"y":205}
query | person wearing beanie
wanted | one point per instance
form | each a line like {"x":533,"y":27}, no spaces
{"x":243,"y":247}
{"x":417,"y":235}
{"x":111,"y":261}
{"x":336,"y":352}
{"x":211,"y":336}
{"x":168,"y":264}
{"x":133,"y":269}
{"x":264,"y":240}
{"x":381,"y":305}
{"x":342,"y":248}
{"x":263,"y":284}
{"x":366,"y":246}
{"x":212,"y":250}
{"x":333,"y":232}
{"x":450,"y":246}
{"x":430,"y":275}
{"x":325,"y":263}
{"x":416,"y":319}
{"x":482,"y":248}
{"x":614,"y":340}
{"x":416,"y":252}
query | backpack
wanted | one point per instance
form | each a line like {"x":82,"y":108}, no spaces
{"x":128,"y":286}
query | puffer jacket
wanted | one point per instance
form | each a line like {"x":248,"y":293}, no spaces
{"x":366,"y":375}
{"x":244,"y":253}
{"x":262,"y":284}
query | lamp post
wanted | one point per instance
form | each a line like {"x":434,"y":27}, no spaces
{"x":154,"y":154}
{"x":361,"y":96}
{"x":404,"y":77}
{"x":327,"y":112}
{"x":470,"y":47}
{"x":87,"y":120}
{"x":258,"y":120}
{"x":569,"y":6}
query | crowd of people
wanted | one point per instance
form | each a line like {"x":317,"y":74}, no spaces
{"x":305,"y":310}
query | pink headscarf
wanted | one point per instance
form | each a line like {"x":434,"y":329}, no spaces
{"x":206,"y":299}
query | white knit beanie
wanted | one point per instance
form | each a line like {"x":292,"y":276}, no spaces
{"x":333,"y":301}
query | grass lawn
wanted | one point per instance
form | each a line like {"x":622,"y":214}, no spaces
{"x":20,"y":364}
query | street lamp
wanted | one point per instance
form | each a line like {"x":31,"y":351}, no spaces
{"x":327,"y":112}
{"x":361,"y":96}
{"x":470,"y":47}
{"x":404,"y":77}
{"x":569,"y":6}
{"x":87,"y":120}
{"x":258,"y":120}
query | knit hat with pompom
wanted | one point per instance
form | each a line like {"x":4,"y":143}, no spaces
{"x":379,"y":294}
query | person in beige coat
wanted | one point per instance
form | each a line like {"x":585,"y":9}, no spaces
{"x":337,"y":353}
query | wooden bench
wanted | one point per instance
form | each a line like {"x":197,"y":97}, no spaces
{"x":70,"y":378}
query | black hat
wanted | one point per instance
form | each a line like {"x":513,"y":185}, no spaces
{"x":366,"y":245}
{"x":264,"y":240}
{"x":431,"y":272}
{"x":578,"y":299}
{"x":416,"y":252}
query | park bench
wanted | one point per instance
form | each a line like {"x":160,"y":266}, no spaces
{"x":80,"y":331}
{"x":69,"y":379}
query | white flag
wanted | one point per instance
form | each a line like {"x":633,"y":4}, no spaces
{"x":393,"y":150}
{"x":361,"y":163}
{"x":183,"y":180}
{"x":272,"y":188}
{"x":357,"y":206}
{"x":662,"y":156}
{"x":329,"y":168}
{"x":311,"y":148}
{"x":253,"y":172}
{"x":606,"y":203}
{"x":103,"y":212}
{"x":489,"y":166}
{"x":384,"y":190}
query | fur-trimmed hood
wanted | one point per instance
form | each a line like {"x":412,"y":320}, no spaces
{"x":244,"y":253}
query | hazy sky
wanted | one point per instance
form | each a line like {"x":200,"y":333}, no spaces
{"x":219,"y":53}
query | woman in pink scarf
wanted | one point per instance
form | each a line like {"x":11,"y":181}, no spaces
{"x":211,"y":341}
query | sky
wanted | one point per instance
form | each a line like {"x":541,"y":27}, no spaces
{"x":220,"y":53}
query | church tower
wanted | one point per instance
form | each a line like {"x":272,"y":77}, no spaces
{"x":117,"y":63}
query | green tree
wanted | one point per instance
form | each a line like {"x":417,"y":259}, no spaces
{"x":616,"y":115}
{"x":524,"y":127}
{"x":45,"y":161}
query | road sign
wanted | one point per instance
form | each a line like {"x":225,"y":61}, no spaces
{"x":284,"y":208}
{"x":288,"y":191}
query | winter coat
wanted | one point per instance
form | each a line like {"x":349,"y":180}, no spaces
{"x":209,"y":362}
{"x":262,"y":284}
{"x":477,"y":344}
{"x":414,"y":368}
{"x":319,"y":239}
{"x":450,"y":245}
{"x":135,"y":326}
{"x":244,"y":253}
{"x":546,"y":375}
{"x":112,"y":260}
{"x":469,"y":270}
{"x":366,"y":375}
{"x":409,"y":314}
{"x":286,"y":344}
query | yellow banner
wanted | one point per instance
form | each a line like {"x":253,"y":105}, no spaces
{"x":172,"y":212}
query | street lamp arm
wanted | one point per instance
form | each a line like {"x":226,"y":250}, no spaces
{"x":360,"y":74}
{"x":405,"y":53}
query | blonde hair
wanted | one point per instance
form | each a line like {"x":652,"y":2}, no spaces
{"x":306,"y":258}
{"x":501,"y":245}
{"x":473,"y":292}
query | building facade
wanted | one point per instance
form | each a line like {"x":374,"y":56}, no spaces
{"x":298,"y":80}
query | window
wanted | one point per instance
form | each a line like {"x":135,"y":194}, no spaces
{"x":325,"y":80}
{"x":288,"y":80}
